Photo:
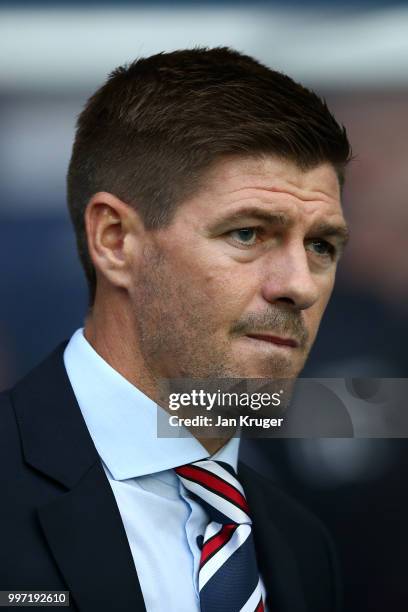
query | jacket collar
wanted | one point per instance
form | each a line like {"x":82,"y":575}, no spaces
{"x":54,"y":436}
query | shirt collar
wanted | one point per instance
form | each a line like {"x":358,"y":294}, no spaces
{"x":122,"y":420}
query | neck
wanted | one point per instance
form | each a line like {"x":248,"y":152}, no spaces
{"x":110,"y":332}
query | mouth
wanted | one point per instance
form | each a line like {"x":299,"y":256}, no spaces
{"x":277,"y":340}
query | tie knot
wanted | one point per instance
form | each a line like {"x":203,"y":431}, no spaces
{"x":215,"y":486}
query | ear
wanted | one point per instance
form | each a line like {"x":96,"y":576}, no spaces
{"x":115,"y":235}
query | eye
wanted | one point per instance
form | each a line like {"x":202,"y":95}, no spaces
{"x":322,"y":248}
{"x":245,"y":236}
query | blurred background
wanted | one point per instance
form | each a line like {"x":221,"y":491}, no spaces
{"x":355,"y":54}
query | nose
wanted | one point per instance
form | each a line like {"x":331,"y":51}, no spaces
{"x":288,"y":278}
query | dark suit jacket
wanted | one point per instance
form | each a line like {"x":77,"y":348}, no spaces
{"x":60,"y":527}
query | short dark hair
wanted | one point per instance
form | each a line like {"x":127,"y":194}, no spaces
{"x":150,"y":132}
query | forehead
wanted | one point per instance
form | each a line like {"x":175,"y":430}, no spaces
{"x":271,"y":183}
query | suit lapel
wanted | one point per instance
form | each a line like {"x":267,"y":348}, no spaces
{"x":82,"y":524}
{"x":86,"y":536}
{"x":276,"y":560}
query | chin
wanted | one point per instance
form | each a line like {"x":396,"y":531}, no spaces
{"x":266,"y":370}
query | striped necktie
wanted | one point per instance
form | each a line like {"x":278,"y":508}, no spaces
{"x":228,"y":577}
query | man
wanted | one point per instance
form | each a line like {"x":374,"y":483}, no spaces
{"x":204,"y":190}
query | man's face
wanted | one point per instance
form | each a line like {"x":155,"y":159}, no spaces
{"x":237,"y":284}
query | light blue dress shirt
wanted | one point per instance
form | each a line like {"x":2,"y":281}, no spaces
{"x":161,"y":522}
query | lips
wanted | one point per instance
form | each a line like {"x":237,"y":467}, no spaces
{"x":289,"y":342}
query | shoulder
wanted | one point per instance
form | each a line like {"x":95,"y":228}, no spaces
{"x":20,"y":404}
{"x":7,"y":418}
{"x":11,"y":456}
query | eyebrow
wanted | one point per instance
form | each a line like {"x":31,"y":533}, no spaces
{"x":272,"y":218}
{"x":339,"y":231}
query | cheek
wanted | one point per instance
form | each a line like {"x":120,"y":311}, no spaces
{"x":213,"y":276}
{"x":313,"y":315}
{"x":218,"y":286}
{"x":327,"y":290}
{"x":230,"y":289}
